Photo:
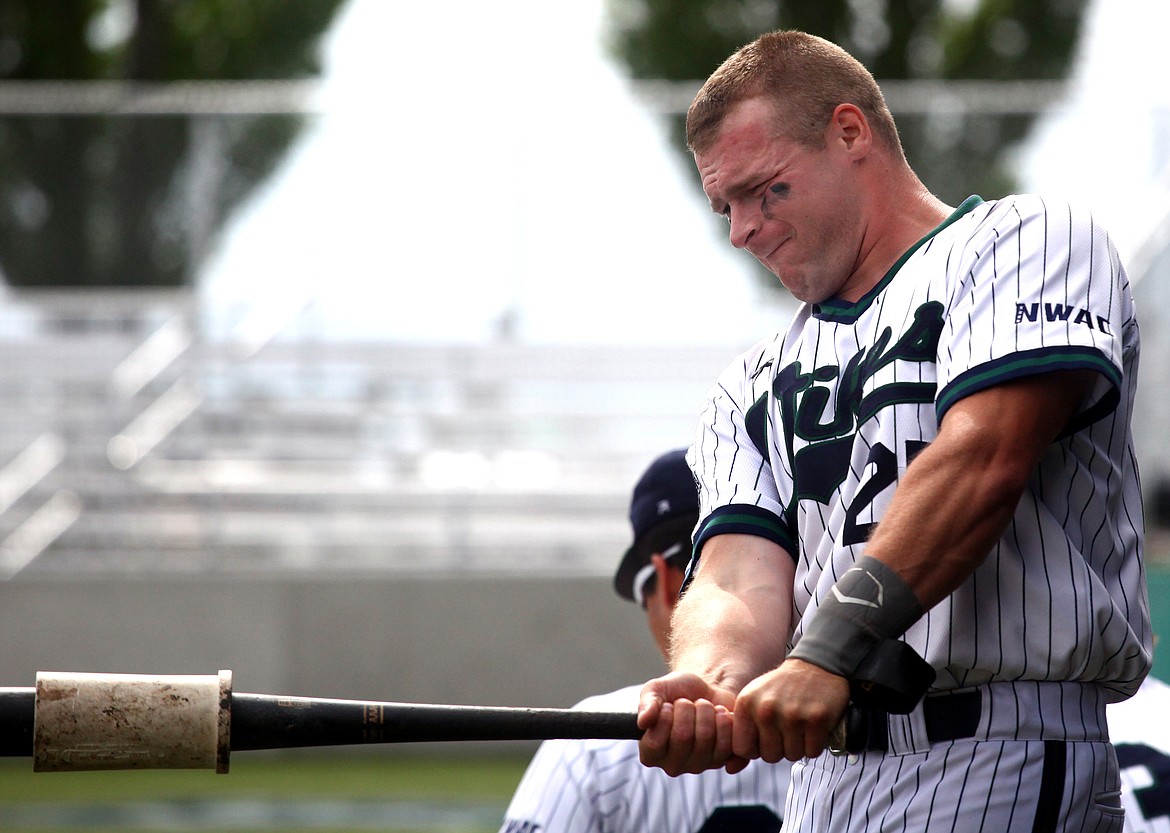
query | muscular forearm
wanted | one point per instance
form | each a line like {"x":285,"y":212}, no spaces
{"x":732,"y":623}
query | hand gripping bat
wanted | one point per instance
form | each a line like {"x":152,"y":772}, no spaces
{"x":75,"y":721}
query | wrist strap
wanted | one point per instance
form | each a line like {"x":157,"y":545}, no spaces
{"x":868,"y":604}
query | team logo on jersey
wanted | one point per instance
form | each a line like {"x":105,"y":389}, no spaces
{"x":824,"y":406}
{"x":1061,"y":312}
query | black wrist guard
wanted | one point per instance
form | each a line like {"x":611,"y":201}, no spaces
{"x":868,"y":604}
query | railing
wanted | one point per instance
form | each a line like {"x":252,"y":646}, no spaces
{"x":130,"y":443}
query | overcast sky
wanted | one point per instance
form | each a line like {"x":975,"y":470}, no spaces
{"x":500,"y":170}
{"x":482,"y":168}
{"x":1111,"y":148}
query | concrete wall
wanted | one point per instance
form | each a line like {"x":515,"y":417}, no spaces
{"x":534,"y":642}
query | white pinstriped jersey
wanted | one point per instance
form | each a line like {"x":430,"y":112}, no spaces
{"x":1139,"y":730}
{"x":806,"y":436}
{"x":600,"y":786}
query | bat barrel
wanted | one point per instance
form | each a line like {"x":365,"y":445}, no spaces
{"x":261,"y":721}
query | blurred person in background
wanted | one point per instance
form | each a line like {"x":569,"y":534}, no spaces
{"x":575,"y":786}
{"x":1140,"y":733}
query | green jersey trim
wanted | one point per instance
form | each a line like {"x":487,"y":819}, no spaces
{"x":834,"y":309}
{"x":745,"y":519}
{"x":1032,"y":363}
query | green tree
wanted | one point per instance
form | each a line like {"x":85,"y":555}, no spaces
{"x":107,"y":199}
{"x":955,"y":154}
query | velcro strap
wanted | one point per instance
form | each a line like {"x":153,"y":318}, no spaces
{"x":891,"y":677}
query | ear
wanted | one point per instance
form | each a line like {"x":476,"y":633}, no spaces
{"x":661,"y":575}
{"x":850,"y":128}
{"x":669,"y":581}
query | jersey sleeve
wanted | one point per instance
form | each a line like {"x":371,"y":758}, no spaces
{"x":731,"y":455}
{"x":1038,"y":289}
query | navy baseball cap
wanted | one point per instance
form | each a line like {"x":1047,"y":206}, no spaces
{"x":663,"y":512}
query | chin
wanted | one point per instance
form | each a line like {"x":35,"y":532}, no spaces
{"x":804,"y":290}
{"x":799,"y":291}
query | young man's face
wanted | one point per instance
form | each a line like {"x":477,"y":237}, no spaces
{"x":794,"y":208}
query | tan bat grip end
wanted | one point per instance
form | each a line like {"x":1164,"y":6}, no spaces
{"x":128,"y":721}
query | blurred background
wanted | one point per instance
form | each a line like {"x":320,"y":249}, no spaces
{"x":334,"y":333}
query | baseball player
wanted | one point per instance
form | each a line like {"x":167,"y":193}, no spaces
{"x":1138,"y":729}
{"x":937,"y":451}
{"x":574,"y":786}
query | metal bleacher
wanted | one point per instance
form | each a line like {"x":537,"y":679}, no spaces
{"x":131,"y":443}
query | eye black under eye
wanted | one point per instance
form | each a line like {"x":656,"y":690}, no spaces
{"x":780,"y":189}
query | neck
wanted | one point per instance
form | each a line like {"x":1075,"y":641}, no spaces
{"x":903,"y":215}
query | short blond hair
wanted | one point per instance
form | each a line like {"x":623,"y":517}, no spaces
{"x":804,"y":76}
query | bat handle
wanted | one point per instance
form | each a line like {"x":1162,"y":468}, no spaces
{"x":262,"y":721}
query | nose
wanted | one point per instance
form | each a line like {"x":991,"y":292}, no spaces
{"x":744,"y":225}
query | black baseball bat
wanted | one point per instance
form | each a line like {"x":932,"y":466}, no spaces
{"x":266,"y":721}
{"x":262,"y":721}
